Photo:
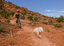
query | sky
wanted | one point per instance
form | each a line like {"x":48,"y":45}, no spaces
{"x":52,"y":8}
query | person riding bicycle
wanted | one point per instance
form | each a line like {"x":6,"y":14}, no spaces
{"x":18,"y":16}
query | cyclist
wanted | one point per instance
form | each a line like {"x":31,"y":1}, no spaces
{"x":18,"y":16}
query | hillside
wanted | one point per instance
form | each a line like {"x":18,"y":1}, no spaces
{"x":12,"y":35}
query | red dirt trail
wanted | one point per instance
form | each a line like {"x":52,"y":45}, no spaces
{"x":25,"y":37}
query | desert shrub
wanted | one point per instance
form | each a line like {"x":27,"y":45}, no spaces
{"x":35,"y":19}
{"x":39,"y":21}
{"x":51,"y":23}
{"x":62,"y":30}
{"x":9,"y":2}
{"x":47,"y":30}
{"x":23,"y":13}
{"x":43,"y":15}
{"x":52,"y":17}
{"x":2,"y":27}
{"x":12,"y":13}
{"x":1,"y":6}
{"x":44,"y":19}
{"x":58,"y":25}
{"x":34,"y":14}
{"x":2,"y":10}
{"x":60,"y":19}
{"x":30,"y":18}
{"x":44,"y":22}
{"x":23,"y":17}
{"x":5,"y":13}
{"x":17,"y":7}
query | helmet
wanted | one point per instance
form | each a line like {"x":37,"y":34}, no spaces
{"x":18,"y":10}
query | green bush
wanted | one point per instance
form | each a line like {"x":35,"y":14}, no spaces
{"x":23,"y":17}
{"x":44,"y":19}
{"x":30,"y":18}
{"x":47,"y":30}
{"x":58,"y":25}
{"x":5,"y":13}
{"x":1,"y":6}
{"x":51,"y":23}
{"x":43,"y":15}
{"x":34,"y":14}
{"x":35,"y":19}
{"x":9,"y":2}
{"x":44,"y":22}
{"x":52,"y":17}
{"x":12,"y":13}
{"x":2,"y":27}
{"x":23,"y":13}
{"x":60,"y":19}
{"x":17,"y":7}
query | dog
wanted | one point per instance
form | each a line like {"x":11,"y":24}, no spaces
{"x":38,"y":31}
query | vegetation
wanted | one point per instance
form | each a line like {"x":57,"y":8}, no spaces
{"x":51,"y":17}
{"x":44,"y":22}
{"x":51,"y":23}
{"x":35,"y":19}
{"x":10,"y":38}
{"x":62,"y":30}
{"x":58,"y":25}
{"x":23,"y":13}
{"x":2,"y":27}
{"x":47,"y":30}
{"x":5,"y":13}
{"x":9,"y":2}
{"x":44,"y":19}
{"x":23,"y":17}
{"x":60,"y":19}
{"x":30,"y":18}
{"x":34,"y":14}
{"x":17,"y":7}
{"x":43,"y":15}
{"x":1,"y":4}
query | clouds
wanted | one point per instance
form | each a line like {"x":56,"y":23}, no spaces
{"x":53,"y":11}
{"x":61,"y":11}
{"x":50,"y":10}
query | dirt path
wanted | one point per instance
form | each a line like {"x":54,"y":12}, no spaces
{"x":31,"y":38}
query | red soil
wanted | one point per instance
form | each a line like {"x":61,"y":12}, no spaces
{"x":24,"y":36}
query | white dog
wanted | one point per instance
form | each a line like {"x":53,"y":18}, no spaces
{"x":38,"y":31}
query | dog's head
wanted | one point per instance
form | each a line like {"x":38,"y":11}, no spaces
{"x":40,"y":29}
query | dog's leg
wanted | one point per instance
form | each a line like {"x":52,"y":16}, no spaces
{"x":38,"y":35}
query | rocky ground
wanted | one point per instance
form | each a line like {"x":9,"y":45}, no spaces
{"x":24,"y":36}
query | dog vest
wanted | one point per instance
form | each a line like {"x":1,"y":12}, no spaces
{"x":37,"y":31}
